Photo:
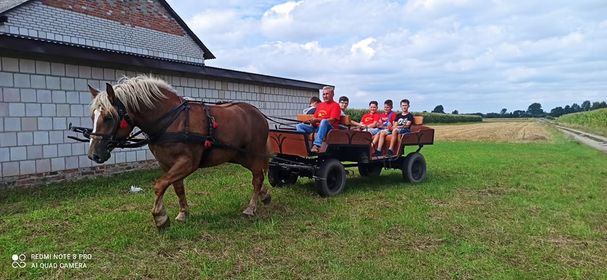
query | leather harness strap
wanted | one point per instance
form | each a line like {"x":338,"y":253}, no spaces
{"x":186,"y":136}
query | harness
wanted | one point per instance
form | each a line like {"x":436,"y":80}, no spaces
{"x":186,"y":136}
{"x":152,"y":135}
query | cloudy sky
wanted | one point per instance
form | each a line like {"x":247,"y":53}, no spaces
{"x":469,"y":55}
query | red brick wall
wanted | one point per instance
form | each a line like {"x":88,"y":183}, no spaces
{"x":142,"y":13}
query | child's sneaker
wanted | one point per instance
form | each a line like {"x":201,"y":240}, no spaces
{"x":377,"y":153}
{"x":390,"y":153}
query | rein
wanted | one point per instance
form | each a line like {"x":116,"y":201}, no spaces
{"x":160,"y":135}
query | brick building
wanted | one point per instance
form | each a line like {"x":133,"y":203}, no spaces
{"x":51,"y":49}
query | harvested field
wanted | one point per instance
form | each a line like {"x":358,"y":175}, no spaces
{"x":510,"y":132}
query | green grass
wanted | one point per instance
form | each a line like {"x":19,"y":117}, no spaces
{"x":486,"y":211}
{"x":594,"y":121}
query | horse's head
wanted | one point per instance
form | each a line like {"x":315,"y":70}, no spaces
{"x":111,"y":123}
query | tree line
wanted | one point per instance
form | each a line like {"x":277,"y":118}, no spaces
{"x":535,"y":110}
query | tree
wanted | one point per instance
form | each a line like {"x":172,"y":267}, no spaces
{"x":557,"y":112}
{"x":567,"y":110}
{"x":455,"y":112}
{"x":439,"y":109}
{"x":586,"y":105}
{"x":576,"y":108}
{"x":535,"y":110}
{"x":595,"y":105}
{"x":503,"y":112}
{"x":518,"y":114}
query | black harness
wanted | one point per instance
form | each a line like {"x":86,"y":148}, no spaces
{"x":160,"y":135}
{"x":152,"y":136}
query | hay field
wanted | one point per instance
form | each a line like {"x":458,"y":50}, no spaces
{"x":505,"y":132}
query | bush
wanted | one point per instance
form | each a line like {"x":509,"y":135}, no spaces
{"x":357,"y":114}
{"x":445,"y":118}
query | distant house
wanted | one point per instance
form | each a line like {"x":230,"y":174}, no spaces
{"x":51,"y":49}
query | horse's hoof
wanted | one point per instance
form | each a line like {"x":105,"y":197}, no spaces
{"x":162,"y":223}
{"x":267,"y":199}
{"x":249,"y":212}
{"x":181,"y":217}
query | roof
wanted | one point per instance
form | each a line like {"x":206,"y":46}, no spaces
{"x":207,"y":52}
{"x":42,"y":49}
{"x":6,"y":5}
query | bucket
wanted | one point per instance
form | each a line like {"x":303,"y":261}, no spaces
{"x":418,"y":120}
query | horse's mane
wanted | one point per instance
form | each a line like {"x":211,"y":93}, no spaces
{"x":135,"y":93}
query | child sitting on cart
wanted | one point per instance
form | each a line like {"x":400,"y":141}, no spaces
{"x":385,"y":127}
{"x":370,"y":121}
{"x":401,"y":125}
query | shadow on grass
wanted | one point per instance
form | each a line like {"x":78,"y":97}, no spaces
{"x":358,"y":184}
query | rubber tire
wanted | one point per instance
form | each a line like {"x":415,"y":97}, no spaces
{"x":332,"y":178}
{"x":369,"y":169}
{"x":414,"y":168}
{"x":279,"y":179}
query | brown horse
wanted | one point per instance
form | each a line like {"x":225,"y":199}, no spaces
{"x":184,"y":136}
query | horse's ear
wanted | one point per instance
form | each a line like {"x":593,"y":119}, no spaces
{"x":110,"y":92}
{"x":93,"y":91}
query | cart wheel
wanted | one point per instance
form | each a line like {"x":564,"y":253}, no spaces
{"x":414,"y":168}
{"x":369,"y":169}
{"x":331,"y":178}
{"x":279,"y":179}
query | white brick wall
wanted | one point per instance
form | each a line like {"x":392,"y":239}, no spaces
{"x":38,"y":99}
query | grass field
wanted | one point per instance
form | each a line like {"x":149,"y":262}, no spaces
{"x":486,"y":211}
{"x":592,"y":121}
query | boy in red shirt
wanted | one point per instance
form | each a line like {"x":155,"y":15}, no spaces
{"x":371,"y":119}
{"x":325,"y":118}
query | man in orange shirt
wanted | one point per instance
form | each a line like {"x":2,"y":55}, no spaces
{"x":325,"y":118}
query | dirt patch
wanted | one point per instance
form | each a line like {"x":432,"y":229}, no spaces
{"x":510,"y":132}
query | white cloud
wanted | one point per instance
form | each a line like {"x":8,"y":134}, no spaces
{"x":221,"y":27}
{"x":469,"y":55}
{"x":277,"y":19}
{"x":363,"y":48}
{"x":520,"y":74}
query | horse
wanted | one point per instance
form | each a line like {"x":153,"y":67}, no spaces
{"x":183,"y":136}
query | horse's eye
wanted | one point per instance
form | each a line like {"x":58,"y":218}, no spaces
{"x":107,"y":118}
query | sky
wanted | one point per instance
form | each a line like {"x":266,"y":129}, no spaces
{"x":467,"y":55}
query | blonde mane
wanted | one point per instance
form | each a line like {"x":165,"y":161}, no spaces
{"x":136,"y":93}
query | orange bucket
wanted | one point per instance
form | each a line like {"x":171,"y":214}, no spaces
{"x":418,"y":119}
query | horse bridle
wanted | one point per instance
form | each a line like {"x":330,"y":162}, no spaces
{"x":112,"y":142}
{"x":123,"y":116}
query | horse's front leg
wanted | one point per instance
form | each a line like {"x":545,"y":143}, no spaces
{"x":177,"y":172}
{"x":161,"y":219}
{"x":183,"y":203}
